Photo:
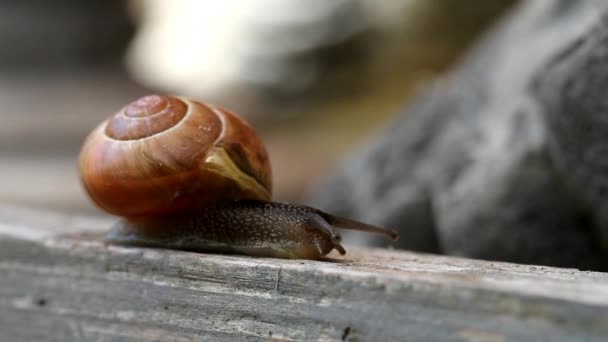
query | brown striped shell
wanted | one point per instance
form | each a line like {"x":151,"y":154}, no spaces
{"x":162,"y":154}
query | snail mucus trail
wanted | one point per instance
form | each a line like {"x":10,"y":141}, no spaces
{"x":190,"y":176}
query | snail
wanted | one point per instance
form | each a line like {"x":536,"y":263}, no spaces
{"x":187,"y":175}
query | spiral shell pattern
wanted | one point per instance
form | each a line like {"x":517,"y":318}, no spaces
{"x":162,"y":155}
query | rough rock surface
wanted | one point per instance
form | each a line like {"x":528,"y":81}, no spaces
{"x":572,"y":92}
{"x":467,"y":169}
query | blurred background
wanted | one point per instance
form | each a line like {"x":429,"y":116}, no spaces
{"x":316,"y":78}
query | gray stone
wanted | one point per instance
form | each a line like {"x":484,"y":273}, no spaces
{"x":475,"y":149}
{"x":572,"y":91}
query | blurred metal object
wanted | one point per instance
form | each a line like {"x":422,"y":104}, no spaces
{"x":280,"y":46}
{"x":292,"y":51}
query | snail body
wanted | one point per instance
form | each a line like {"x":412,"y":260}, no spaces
{"x":190,"y":176}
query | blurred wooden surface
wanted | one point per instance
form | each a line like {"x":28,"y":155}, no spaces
{"x":45,"y":116}
{"x":60,"y":282}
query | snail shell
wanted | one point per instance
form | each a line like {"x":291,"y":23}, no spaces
{"x":161,"y":155}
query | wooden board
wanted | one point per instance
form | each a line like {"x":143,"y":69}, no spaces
{"x":58,"y":281}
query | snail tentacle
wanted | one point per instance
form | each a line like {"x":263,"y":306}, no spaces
{"x":349,"y":224}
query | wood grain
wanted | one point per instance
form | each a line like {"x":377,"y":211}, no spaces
{"x":60,"y":282}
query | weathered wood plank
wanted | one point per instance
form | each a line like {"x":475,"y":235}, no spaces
{"x":73,"y":287}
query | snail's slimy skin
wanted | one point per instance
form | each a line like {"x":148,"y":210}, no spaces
{"x":256,"y":228}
